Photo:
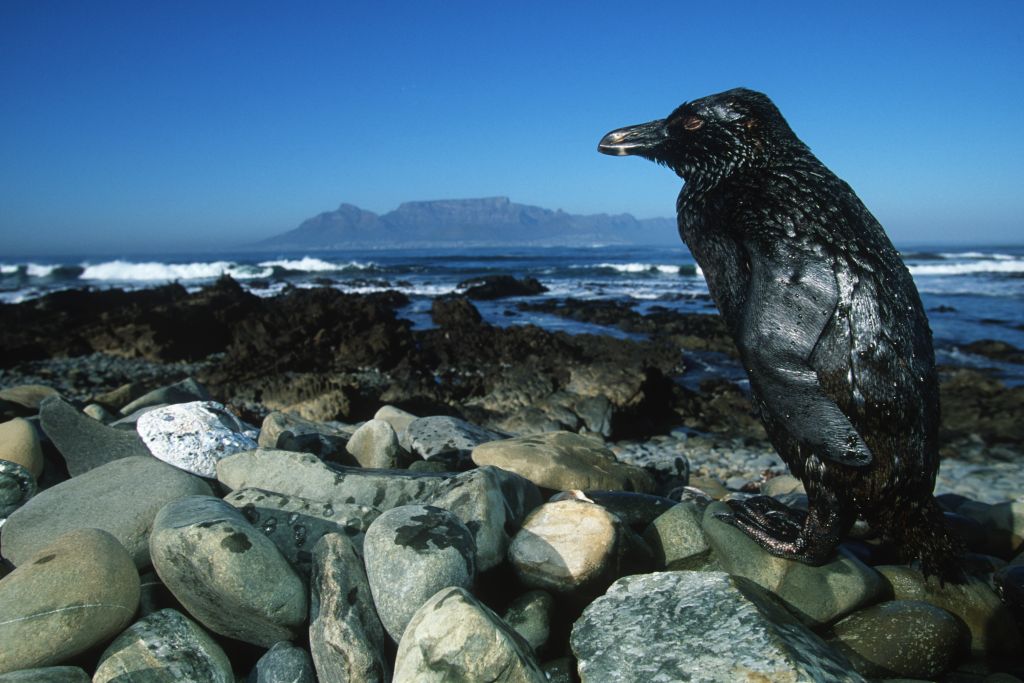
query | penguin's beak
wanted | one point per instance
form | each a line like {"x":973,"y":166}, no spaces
{"x":641,"y":139}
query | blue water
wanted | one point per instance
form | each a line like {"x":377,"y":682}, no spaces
{"x":970,"y":294}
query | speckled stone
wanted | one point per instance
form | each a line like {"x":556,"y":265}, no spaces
{"x":703,"y":627}
{"x":163,"y":647}
{"x":902,"y":638}
{"x":411,"y":552}
{"x":283,"y":663}
{"x":530,"y":616}
{"x":453,"y":637}
{"x":75,"y":593}
{"x":194,"y":436}
{"x":226,"y":572}
{"x":345,"y":634}
{"x":994,"y":631}
{"x":19,"y":443}
{"x":440,"y":435}
{"x":121,"y":497}
{"x":17,"y":486}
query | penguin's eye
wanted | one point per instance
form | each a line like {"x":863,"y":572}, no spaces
{"x":692,"y":122}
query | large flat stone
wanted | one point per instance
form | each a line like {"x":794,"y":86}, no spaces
{"x":563,"y":461}
{"x":702,"y":627}
{"x":121,"y":497}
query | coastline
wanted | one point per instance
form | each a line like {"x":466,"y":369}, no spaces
{"x":308,"y":440}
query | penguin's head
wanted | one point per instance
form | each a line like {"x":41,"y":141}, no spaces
{"x":707,"y":139}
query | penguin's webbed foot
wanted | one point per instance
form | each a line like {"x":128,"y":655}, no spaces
{"x":791,"y":534}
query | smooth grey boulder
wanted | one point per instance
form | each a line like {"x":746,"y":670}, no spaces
{"x":994,"y":630}
{"x":563,"y":461}
{"x":305,"y":475}
{"x":375,"y":445}
{"x":226,"y":572}
{"x":83,"y":442}
{"x":283,"y":663}
{"x":820,"y":595}
{"x":902,"y":639}
{"x":121,"y":497}
{"x":703,"y":627}
{"x":293,"y":433}
{"x":493,"y":504}
{"x":410,"y":553}
{"x":295,"y":524}
{"x":163,"y":647}
{"x":345,"y":634}
{"x":185,"y":391}
{"x":396,"y":417}
{"x":194,"y":436}
{"x":569,"y":546}
{"x":677,"y":538}
{"x":530,"y":616}
{"x":439,"y":435}
{"x":47,"y":674}
{"x":454,"y":637}
{"x":75,"y":593}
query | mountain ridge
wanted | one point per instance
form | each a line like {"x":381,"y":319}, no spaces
{"x":486,"y":221}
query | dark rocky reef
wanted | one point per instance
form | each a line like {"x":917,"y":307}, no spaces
{"x":328,"y":355}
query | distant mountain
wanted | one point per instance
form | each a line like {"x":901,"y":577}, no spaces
{"x":491,"y":221}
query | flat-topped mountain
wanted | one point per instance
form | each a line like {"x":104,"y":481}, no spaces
{"x":491,"y":221}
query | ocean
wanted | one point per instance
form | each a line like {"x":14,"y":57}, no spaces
{"x":970,"y":294}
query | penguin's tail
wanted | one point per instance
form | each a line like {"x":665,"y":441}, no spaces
{"x":920,"y":533}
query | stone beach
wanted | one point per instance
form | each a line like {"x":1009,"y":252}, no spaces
{"x":305,"y":488}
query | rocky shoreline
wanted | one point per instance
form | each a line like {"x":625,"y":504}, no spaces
{"x":215,"y":486}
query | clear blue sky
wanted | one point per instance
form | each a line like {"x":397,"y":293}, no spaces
{"x":190,"y":124}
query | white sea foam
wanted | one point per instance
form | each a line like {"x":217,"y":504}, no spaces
{"x":310,"y":264}
{"x":972,"y":267}
{"x":637,"y":268}
{"x":38,"y":270}
{"x":165,"y":272}
{"x":977,"y":255}
{"x":32,"y":269}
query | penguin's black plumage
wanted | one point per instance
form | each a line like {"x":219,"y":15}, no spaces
{"x":827,"y":320}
